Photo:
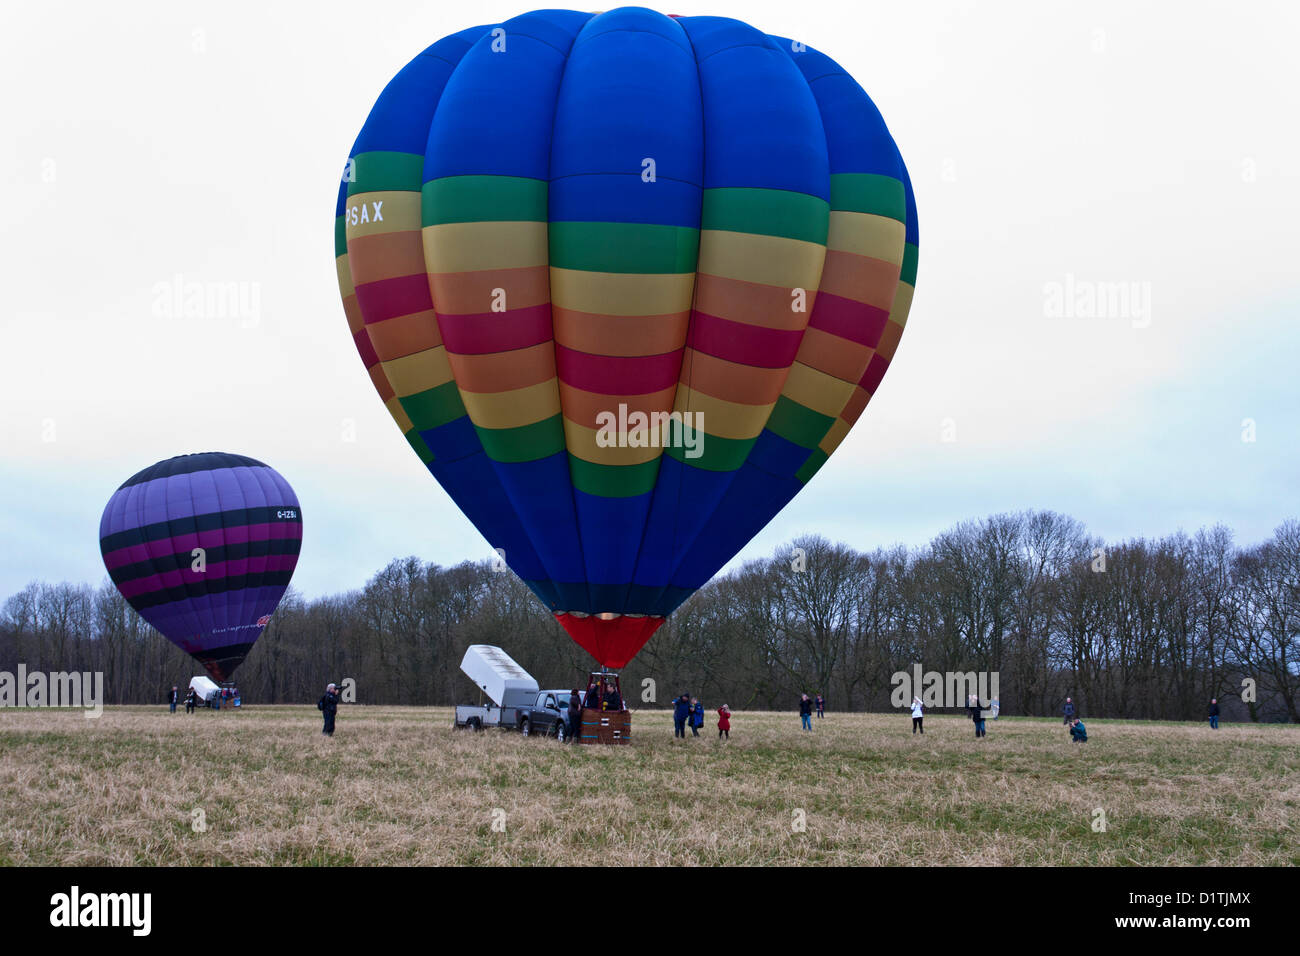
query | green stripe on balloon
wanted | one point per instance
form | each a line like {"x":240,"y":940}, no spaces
{"x":524,"y":443}
{"x":812,"y":465}
{"x":483,"y":199}
{"x":767,"y":212}
{"x":434,"y":406}
{"x":910,"y":256}
{"x":624,"y":247}
{"x":869,"y":193}
{"x":421,"y":447}
{"x":798,"y":423}
{"x":340,"y":237}
{"x":383,"y":171}
{"x":613,"y":481}
{"x":715,"y":454}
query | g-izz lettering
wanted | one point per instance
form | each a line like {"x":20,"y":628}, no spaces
{"x":289,"y":513}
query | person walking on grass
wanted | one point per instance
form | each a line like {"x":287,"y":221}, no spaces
{"x":681,"y":711}
{"x":697,"y":716}
{"x":189,"y":702}
{"x":805,"y":712}
{"x":328,"y":705}
{"x":1067,"y":711}
{"x":172,"y":698}
{"x":724,"y":722}
{"x":918,"y":716}
{"x":1214,"y":713}
{"x":821,"y":706}
{"x":976,"y":714}
{"x":1078,"y":732}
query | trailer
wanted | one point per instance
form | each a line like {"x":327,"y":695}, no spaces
{"x":511,"y":690}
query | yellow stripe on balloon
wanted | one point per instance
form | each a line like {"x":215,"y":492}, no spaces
{"x":475,"y":246}
{"x":770,"y":260}
{"x":513,"y":408}
{"x":902,"y":304}
{"x":817,"y":390}
{"x":833,"y":437}
{"x":346,"y":288}
{"x":403,"y":420}
{"x":581,"y":442}
{"x":876,"y":237}
{"x":420,"y":372}
{"x":384,"y":212}
{"x":615,"y":293}
{"x":720,"y":417}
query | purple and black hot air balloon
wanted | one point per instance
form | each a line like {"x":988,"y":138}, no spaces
{"x":203,"y":547}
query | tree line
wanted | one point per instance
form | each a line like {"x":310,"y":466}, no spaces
{"x":1147,"y":629}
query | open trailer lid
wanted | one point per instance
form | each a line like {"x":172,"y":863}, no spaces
{"x":497,"y":675}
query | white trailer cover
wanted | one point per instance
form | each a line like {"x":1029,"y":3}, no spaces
{"x":204,"y":688}
{"x":498,"y":676}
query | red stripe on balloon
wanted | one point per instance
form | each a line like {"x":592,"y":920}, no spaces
{"x":849,"y":319}
{"x":160,"y":581}
{"x":366,"y":350}
{"x":617,"y":374}
{"x":483,"y":333}
{"x":875,"y":372}
{"x":743,"y":344}
{"x":216,"y":538}
{"x":389,"y":298}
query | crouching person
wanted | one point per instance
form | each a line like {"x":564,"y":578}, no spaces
{"x":1078,"y":732}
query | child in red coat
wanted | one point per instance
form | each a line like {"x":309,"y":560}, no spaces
{"x":724,"y":722}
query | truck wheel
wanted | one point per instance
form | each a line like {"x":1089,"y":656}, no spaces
{"x":526,"y":727}
{"x":473,"y":724}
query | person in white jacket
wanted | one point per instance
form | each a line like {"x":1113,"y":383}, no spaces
{"x":918,"y":712}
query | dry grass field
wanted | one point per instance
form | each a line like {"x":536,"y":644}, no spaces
{"x":398,"y":786}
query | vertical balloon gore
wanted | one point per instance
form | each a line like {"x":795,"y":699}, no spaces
{"x":613,"y":639}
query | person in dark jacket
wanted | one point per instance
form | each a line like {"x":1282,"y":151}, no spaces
{"x":328,"y":705}
{"x":805,"y":711}
{"x":1078,"y":732}
{"x":1067,"y":711}
{"x":1214,"y":713}
{"x":575,"y":714}
{"x":697,"y":716}
{"x":821,"y":706}
{"x":681,"y":711}
{"x":592,"y":699}
{"x":189,"y":702}
{"x":172,"y":698}
{"x":976,"y":714}
{"x":612,"y":700}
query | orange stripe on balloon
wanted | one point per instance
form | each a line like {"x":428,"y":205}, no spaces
{"x":731,"y":381}
{"x":386,"y":256}
{"x":470,"y":293}
{"x":620,"y":334}
{"x":504,"y":371}
{"x":770,"y":307}
{"x":404,"y":335}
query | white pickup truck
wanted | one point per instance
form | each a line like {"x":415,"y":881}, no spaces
{"x":517,"y":703}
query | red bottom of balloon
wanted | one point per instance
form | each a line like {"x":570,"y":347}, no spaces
{"x":614,"y":641}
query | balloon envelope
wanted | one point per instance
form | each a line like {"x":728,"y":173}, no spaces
{"x":625,"y":281}
{"x":203,"y":547}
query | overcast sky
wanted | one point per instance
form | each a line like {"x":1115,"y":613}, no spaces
{"x":1056,"y":151}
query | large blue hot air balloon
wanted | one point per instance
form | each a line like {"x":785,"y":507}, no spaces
{"x":203,"y":547}
{"x":625,"y":281}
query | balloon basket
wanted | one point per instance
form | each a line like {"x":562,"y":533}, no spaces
{"x":605,"y":727}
